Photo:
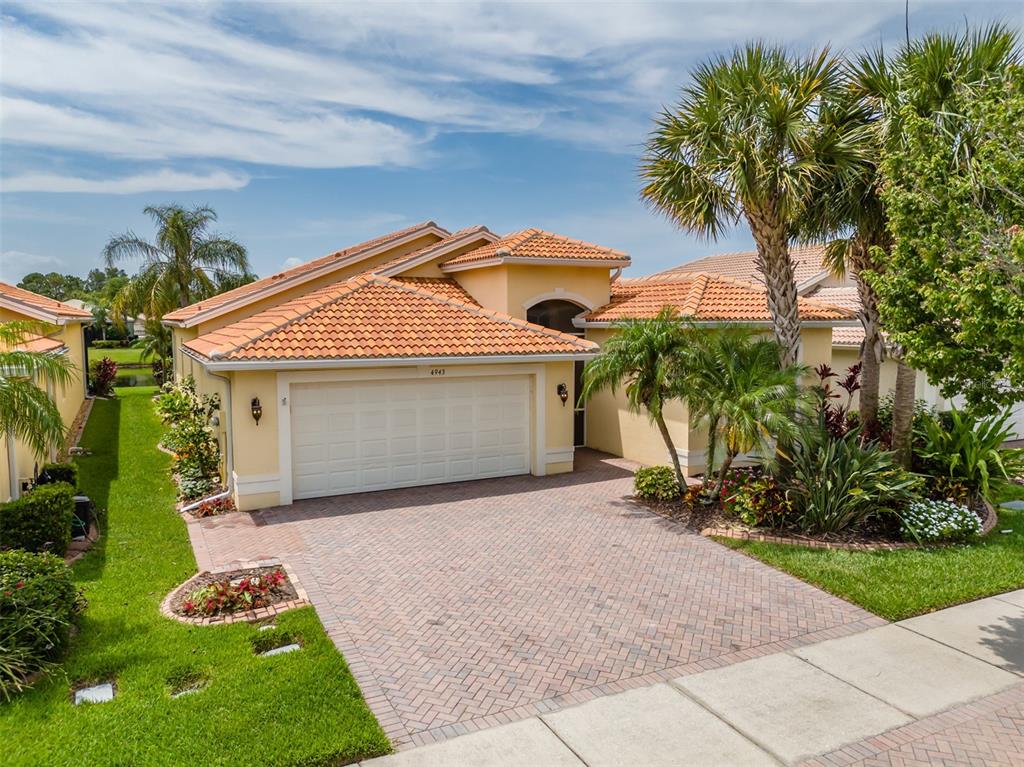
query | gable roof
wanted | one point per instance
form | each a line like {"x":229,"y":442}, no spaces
{"x":374,"y":318}
{"x":219,"y":304}
{"x":807,"y":265}
{"x":453,"y":241}
{"x":40,"y":307}
{"x":535,"y":246}
{"x":702,"y":298}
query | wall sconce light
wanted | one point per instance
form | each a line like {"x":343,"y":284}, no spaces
{"x":563,"y":393}
{"x":257,"y":410}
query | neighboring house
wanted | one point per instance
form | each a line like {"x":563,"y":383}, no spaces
{"x":426,"y":356}
{"x":17,"y":461}
{"x":815,"y":281}
{"x":133,"y":326}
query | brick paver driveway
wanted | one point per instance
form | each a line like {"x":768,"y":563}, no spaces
{"x":467,"y":605}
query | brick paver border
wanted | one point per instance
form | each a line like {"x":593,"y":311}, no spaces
{"x":893,"y":740}
{"x":245,"y":616}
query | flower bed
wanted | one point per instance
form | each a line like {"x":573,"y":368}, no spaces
{"x":229,"y":596}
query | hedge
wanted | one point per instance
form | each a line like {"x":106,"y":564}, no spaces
{"x":38,"y":603}
{"x":40,"y":520}
{"x":58,"y":472}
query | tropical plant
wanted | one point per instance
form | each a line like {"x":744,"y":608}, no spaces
{"x":928,"y":520}
{"x":157,"y":345}
{"x":747,"y":142}
{"x":26,"y":411}
{"x":190,"y":437}
{"x":837,"y":484}
{"x":102,"y":376}
{"x":656,"y":483}
{"x":182,"y":266}
{"x":39,"y":520}
{"x":962,"y":447}
{"x":647,"y":358}
{"x":739,"y":388}
{"x":761,"y":501}
{"x":835,"y":414}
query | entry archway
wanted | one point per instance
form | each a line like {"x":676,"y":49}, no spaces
{"x":557,"y":314}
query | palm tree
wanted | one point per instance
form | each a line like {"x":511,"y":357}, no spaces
{"x":746,"y":141}
{"x":648,"y":357}
{"x":933,"y":76}
{"x":26,"y":411}
{"x":158,"y":344}
{"x":746,"y":396}
{"x":183,"y":266}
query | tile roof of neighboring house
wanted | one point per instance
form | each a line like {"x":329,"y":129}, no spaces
{"x":848,"y":336}
{"x":50,"y":309}
{"x":806,"y":264}
{"x":36,"y":343}
{"x":846,"y":297}
{"x":532,"y":245}
{"x":702,"y":297}
{"x":460,"y":238}
{"x":442,"y":286}
{"x":375,"y":317}
{"x":268,"y":283}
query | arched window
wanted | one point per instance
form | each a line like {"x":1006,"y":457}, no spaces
{"x":557,"y":314}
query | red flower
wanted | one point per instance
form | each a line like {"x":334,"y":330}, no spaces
{"x":19,"y":585}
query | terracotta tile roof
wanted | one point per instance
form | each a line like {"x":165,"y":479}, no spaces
{"x":392,"y":267}
{"x":807,"y":263}
{"x":374,"y":317}
{"x":268,"y":283}
{"x":56,"y":310}
{"x":440,"y":286}
{"x":848,"y":336}
{"x":702,"y":297}
{"x":531,"y":244}
{"x":41,"y":344}
{"x":843,"y":295}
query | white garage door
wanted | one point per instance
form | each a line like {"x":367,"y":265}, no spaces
{"x":354,"y":437}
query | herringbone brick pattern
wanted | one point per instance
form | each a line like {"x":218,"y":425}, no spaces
{"x":461,"y":606}
{"x":987,"y":732}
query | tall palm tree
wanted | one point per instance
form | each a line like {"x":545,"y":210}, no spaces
{"x":648,"y":358}
{"x":743,"y":392}
{"x":181,"y":267}
{"x":26,"y":411}
{"x":933,"y":76}
{"x":746,"y":142}
{"x":158,"y":344}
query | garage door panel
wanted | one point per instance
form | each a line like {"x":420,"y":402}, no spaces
{"x":357,"y":437}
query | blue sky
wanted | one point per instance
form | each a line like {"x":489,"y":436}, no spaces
{"x":312,"y":126}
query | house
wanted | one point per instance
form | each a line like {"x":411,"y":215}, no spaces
{"x":65,"y":337}
{"x":428,"y":356}
{"x":815,"y":281}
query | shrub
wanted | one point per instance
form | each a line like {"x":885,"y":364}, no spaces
{"x":735,"y":480}
{"x":190,"y":438}
{"x":38,"y":603}
{"x":40,"y":520}
{"x":226,"y":597}
{"x":760,"y":501}
{"x":111,"y":343}
{"x":656,"y":483}
{"x":58,"y":472}
{"x":969,"y":450}
{"x":102,"y":374}
{"x":930,"y":520}
{"x":836,"y":484}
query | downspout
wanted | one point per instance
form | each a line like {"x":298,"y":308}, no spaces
{"x":229,"y":451}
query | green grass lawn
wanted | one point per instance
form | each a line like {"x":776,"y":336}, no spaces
{"x":302,"y":708}
{"x":122,"y":356}
{"x":900,"y":584}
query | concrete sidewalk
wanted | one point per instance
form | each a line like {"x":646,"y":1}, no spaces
{"x":944,"y":688}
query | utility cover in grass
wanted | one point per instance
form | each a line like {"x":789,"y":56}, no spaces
{"x":100,"y":693}
{"x":280,"y":650}
{"x":1013,"y":505}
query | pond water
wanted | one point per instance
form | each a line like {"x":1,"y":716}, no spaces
{"x":135,"y":377}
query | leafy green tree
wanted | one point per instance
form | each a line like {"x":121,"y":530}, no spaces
{"x":953,"y":288}
{"x":53,"y":285}
{"x":647,"y":357}
{"x":26,"y":410}
{"x":737,"y":385}
{"x":182,"y":265}
{"x":747,"y":142}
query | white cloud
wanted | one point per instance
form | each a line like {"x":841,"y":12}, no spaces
{"x":15,"y":264}
{"x":290,"y":262}
{"x":158,"y":181}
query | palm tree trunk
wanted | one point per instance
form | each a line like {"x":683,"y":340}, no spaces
{"x":775,"y":265}
{"x":663,"y":428}
{"x":709,"y":462}
{"x":722,"y":471}
{"x":903,"y":413}
{"x":873,"y":350}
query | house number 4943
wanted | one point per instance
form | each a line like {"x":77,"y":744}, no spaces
{"x":437,"y":371}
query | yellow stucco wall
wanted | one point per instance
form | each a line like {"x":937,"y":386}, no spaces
{"x":488,"y":286}
{"x":844,"y":357}
{"x":513,"y":288}
{"x":68,"y":398}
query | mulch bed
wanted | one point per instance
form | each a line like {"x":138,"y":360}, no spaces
{"x":712,"y":521}
{"x":285,"y":592}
